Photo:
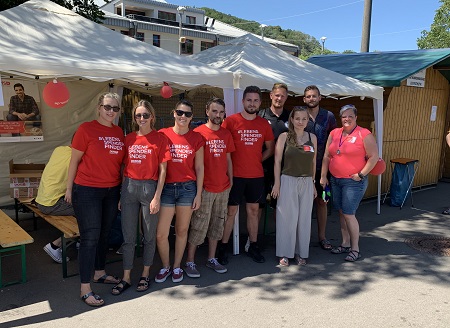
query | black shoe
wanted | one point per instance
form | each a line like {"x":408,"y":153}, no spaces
{"x":222,"y":256}
{"x":255,"y":253}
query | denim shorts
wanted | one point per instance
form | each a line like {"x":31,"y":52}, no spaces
{"x":347,"y":193}
{"x":179,"y":194}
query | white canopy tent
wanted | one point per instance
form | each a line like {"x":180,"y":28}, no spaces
{"x":256,"y":62}
{"x":40,"y":40}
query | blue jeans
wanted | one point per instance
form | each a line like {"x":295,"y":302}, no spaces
{"x":95,"y":210}
{"x":178,"y":194}
{"x":347,"y":193}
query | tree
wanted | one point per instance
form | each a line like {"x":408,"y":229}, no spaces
{"x":439,"y":34}
{"x":85,"y":8}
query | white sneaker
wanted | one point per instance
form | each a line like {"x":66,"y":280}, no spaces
{"x":55,"y":254}
{"x":247,"y":245}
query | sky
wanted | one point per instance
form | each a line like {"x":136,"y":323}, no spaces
{"x":396,"y":24}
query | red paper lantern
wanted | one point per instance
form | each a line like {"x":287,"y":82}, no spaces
{"x":166,"y":91}
{"x":56,"y":94}
{"x":379,"y":168}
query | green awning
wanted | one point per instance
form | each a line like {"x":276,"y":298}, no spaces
{"x":386,"y":69}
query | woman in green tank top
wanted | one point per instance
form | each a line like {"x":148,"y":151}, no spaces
{"x":295,"y":165}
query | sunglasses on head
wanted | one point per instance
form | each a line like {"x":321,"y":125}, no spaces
{"x":145,"y":116}
{"x":181,"y":112}
{"x":109,"y":108}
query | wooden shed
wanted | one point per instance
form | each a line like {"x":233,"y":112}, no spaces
{"x":416,"y":106}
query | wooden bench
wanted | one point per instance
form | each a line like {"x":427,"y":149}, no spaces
{"x":13,"y":238}
{"x":67,"y":225}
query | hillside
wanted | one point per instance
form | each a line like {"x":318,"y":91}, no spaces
{"x":308,"y":44}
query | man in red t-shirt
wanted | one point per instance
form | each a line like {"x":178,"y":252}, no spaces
{"x":209,"y":219}
{"x":250,"y":132}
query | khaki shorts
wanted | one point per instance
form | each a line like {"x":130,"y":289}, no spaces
{"x":210,"y":218}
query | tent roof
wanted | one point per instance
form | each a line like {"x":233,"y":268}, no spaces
{"x":387,"y":69}
{"x":41,"y":38}
{"x":256,"y":62}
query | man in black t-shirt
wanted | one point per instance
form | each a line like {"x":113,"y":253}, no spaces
{"x":277,"y":117}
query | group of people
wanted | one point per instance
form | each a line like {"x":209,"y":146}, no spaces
{"x":202,"y":175}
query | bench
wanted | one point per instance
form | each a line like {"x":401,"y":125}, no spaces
{"x":67,"y":225}
{"x":12,"y":239}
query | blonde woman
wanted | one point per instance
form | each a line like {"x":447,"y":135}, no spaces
{"x":147,"y":153}
{"x":294,"y":188}
{"x":93,"y":188}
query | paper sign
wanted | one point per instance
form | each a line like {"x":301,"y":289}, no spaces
{"x":433,"y":113}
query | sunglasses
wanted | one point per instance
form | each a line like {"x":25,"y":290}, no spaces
{"x":180,"y":113}
{"x":109,"y":108}
{"x":145,"y":116}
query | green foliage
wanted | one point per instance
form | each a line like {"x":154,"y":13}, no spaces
{"x":85,"y":8}
{"x":307,"y":44}
{"x":439,"y":34}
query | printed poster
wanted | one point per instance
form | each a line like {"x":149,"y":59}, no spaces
{"x":20,"y":111}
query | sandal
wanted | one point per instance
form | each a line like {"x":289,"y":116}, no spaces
{"x":95,"y":296}
{"x":299,"y":260}
{"x":143,"y":286}
{"x":108,"y":279}
{"x":447,"y":211}
{"x":284,"y":261}
{"x":120,"y":287}
{"x":325,"y":244}
{"x":353,"y":256}
{"x":341,"y":249}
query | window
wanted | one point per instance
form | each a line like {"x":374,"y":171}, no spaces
{"x":129,"y":12}
{"x":157,"y":40}
{"x":190,"y":20}
{"x":206,"y":45}
{"x":167,"y":16}
{"x":140,"y":36}
{"x":187,"y":48}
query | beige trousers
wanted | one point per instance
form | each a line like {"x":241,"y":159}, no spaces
{"x":293,"y":220}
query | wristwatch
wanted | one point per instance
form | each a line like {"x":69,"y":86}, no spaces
{"x":361,"y":176}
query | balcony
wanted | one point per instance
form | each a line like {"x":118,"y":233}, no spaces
{"x":165,"y":22}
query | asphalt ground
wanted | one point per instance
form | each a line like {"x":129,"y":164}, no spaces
{"x":392,"y":285}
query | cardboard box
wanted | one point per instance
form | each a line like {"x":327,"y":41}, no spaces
{"x":23,"y":192}
{"x":24,"y":179}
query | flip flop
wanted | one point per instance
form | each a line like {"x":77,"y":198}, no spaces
{"x":299,"y":260}
{"x":120,"y":288}
{"x":104,"y":279}
{"x":284,"y":261}
{"x":143,"y":286}
{"x":98,"y":298}
{"x":325,"y":244}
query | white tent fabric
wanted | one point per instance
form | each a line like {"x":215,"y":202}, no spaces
{"x":41,"y":38}
{"x":256,"y":62}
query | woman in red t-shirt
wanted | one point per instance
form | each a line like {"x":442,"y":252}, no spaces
{"x":147,"y":153}
{"x":93,"y":187}
{"x":182,"y":190}
{"x":350,"y":154}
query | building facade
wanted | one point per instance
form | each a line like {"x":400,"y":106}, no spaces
{"x":179,"y":29}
